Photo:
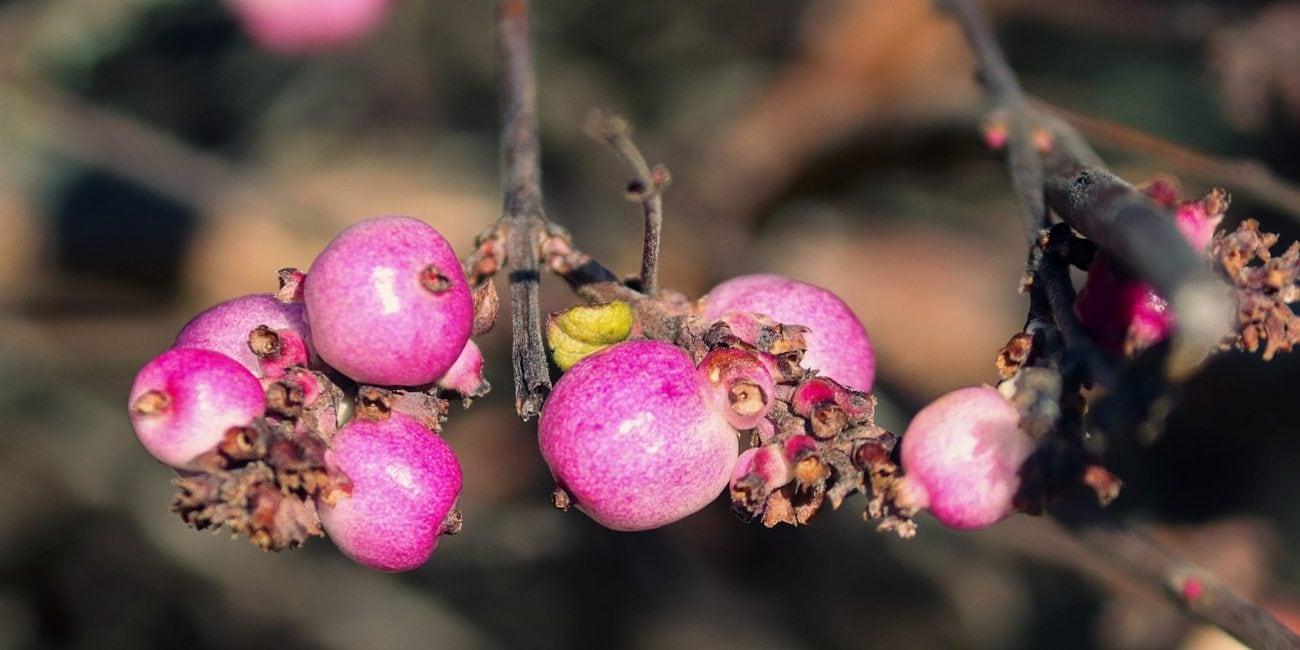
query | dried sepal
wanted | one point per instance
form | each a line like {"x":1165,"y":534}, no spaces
{"x":1266,"y":285}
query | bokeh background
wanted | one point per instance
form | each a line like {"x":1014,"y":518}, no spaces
{"x":154,"y":161}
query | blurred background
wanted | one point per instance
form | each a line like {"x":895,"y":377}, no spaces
{"x":156,"y":159}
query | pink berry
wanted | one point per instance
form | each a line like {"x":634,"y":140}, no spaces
{"x":226,"y":327}
{"x":185,"y":400}
{"x":962,"y":456}
{"x":389,"y":303}
{"x":308,"y":26}
{"x":1125,"y":314}
{"x":628,"y":434}
{"x":405,"y":480}
{"x":838,"y":345}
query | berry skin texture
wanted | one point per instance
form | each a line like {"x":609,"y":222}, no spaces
{"x":308,"y":26}
{"x":225,"y":327}
{"x":184,"y":400}
{"x":388,"y":303}
{"x":838,"y":345}
{"x":962,"y":456}
{"x":628,"y":434}
{"x":405,"y":480}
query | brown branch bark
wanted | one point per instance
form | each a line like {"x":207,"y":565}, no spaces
{"x":523,"y":216}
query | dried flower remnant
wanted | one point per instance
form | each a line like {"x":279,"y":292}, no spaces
{"x":1266,"y":287}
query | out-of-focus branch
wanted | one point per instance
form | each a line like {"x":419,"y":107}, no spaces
{"x":56,"y":122}
{"x":1246,"y":177}
{"x":647,"y":188}
{"x":1192,"y":588}
{"x":1047,"y":158}
{"x":1107,"y":210}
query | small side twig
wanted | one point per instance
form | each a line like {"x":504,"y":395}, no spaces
{"x":646,"y":188}
{"x":1250,"y":178}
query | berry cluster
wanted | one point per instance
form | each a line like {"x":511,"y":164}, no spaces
{"x":317,"y":409}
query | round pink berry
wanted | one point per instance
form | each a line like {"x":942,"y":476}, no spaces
{"x":627,"y":433}
{"x":962,"y":456}
{"x":226,"y":327}
{"x":185,"y":400}
{"x":308,"y":26}
{"x":389,"y":303}
{"x":838,"y":345}
{"x":405,"y":480}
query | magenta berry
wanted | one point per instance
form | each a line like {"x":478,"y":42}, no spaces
{"x":739,"y":385}
{"x":308,"y":26}
{"x":628,"y":435}
{"x":962,"y":456}
{"x":466,"y":375}
{"x":404,"y":483}
{"x":1125,"y":314}
{"x":226,"y":327}
{"x":838,"y":345}
{"x":389,"y":303}
{"x":185,"y":400}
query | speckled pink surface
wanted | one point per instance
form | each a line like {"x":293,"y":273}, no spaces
{"x":308,"y":26}
{"x":372,"y":318}
{"x":208,"y":392}
{"x":966,"y":449}
{"x":627,"y":433}
{"x":225,"y":327}
{"x":405,"y":479}
{"x":838,"y":345}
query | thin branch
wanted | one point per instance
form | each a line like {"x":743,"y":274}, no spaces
{"x":523,"y":214}
{"x":1103,"y":207}
{"x":1247,"y":177}
{"x":647,"y":188}
{"x":1192,"y":588}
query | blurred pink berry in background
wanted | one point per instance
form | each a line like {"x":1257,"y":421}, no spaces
{"x":308,"y":26}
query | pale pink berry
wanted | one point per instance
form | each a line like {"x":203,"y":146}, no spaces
{"x":962,"y":456}
{"x":226,"y":327}
{"x":838,"y":345}
{"x":628,"y":435}
{"x":389,"y":303}
{"x":185,"y":400}
{"x":404,"y":483}
{"x":466,"y":375}
{"x":308,"y":26}
{"x":738,"y":384}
